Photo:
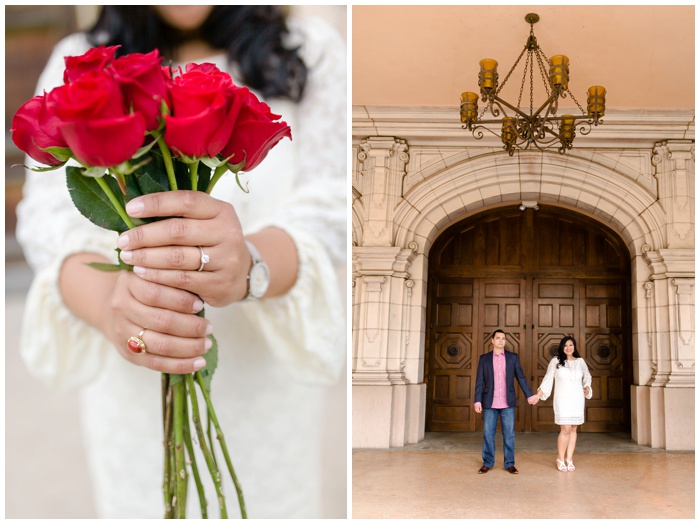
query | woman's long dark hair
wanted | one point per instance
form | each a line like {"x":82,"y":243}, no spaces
{"x":560,"y":352}
{"x":250,"y":34}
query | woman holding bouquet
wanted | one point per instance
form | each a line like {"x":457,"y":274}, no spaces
{"x":263,"y":262}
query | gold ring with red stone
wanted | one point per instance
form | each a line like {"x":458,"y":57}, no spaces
{"x":136,"y":344}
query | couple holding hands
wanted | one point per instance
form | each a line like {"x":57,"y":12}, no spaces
{"x":495,"y":397}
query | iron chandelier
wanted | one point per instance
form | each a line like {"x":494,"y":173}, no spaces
{"x":540,"y":128}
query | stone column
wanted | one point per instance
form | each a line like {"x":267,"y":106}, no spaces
{"x":671,"y":305}
{"x":383,"y":399}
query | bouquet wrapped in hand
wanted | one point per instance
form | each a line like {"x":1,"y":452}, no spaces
{"x":130,"y":127}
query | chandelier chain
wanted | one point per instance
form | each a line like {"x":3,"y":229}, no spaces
{"x":575,"y":101}
{"x":522,"y":83}
{"x":543,"y":70}
{"x":511,"y":71}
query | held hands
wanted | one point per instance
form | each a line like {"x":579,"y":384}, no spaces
{"x":534,"y":399}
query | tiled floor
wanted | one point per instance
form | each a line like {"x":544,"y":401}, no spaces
{"x":438,"y":478}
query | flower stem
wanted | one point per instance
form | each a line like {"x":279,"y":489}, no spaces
{"x":167,"y":425}
{"x":195,"y":469}
{"x":194,"y":166}
{"x":218,"y":173}
{"x":178,"y":439}
{"x":222,"y":443}
{"x":115,"y":202}
{"x":168,"y":159}
{"x":213,"y":470}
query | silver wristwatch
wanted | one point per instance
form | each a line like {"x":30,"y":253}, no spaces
{"x":258,"y":276}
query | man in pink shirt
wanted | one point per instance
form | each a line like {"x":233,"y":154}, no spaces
{"x":495,"y":397}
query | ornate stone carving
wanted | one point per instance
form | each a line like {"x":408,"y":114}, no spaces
{"x":675,"y":171}
{"x":384,"y":162}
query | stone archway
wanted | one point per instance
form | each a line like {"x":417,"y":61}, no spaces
{"x":411,"y":196}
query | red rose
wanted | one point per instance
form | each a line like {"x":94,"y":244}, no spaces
{"x":254,"y":134}
{"x":205,"y":104}
{"x":143,"y":83}
{"x":33,"y":130}
{"x":96,"y":59}
{"x":93,"y":120}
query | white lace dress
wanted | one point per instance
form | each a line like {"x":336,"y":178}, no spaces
{"x":275,"y":356}
{"x":570,"y":380}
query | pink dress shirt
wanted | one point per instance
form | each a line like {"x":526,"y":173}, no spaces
{"x":500,"y":399}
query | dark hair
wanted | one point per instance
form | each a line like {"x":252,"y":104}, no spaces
{"x":560,"y":352}
{"x":493,"y":335}
{"x":251,"y":35}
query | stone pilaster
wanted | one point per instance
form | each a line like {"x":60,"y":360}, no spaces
{"x":381,"y":293}
{"x":675,"y":170}
{"x":383,"y":161}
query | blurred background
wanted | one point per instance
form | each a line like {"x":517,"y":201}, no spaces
{"x":45,"y":470}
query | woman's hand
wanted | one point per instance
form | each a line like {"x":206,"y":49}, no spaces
{"x":586,"y":390}
{"x":167,"y":252}
{"x":175,"y":337}
{"x":121,"y":305}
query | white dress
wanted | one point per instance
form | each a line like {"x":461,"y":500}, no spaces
{"x":276,"y":356}
{"x":570,"y":380}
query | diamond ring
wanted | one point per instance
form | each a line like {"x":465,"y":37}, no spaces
{"x":204,"y":258}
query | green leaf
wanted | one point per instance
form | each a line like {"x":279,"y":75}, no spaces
{"x":91,"y":201}
{"x":40,"y":169}
{"x":102,"y":266}
{"x":212,"y":359}
{"x":64,"y":154}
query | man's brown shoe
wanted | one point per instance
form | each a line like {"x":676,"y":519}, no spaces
{"x":512,"y":470}
{"x":484,"y":469}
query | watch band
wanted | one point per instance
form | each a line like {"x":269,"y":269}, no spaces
{"x":256,"y":259}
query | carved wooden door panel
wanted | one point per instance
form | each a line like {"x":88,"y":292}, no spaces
{"x":602,"y":344}
{"x":556,"y":312}
{"x":452,"y":364}
{"x":461,"y":333}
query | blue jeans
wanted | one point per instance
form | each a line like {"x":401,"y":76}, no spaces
{"x":488,"y":453}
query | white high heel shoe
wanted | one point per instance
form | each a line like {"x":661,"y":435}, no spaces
{"x":570,"y":465}
{"x":561,"y":466}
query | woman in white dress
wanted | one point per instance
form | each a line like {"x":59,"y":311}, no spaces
{"x":276,"y":354}
{"x":573,"y":386}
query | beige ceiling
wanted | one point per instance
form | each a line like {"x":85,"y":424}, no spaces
{"x":428,"y":55}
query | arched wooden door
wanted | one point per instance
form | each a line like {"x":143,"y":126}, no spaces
{"x":538,"y":275}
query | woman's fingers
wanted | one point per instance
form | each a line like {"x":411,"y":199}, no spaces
{"x":188,"y":258}
{"x":187,"y":204}
{"x":156,"y":326}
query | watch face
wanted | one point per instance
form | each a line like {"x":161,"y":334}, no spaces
{"x":259,"y":280}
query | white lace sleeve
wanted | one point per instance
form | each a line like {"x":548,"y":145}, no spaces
{"x":57,"y":346}
{"x":306,"y":327}
{"x":587,"y":380}
{"x":548,"y":380}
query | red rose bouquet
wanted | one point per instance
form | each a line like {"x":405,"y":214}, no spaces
{"x":135,"y":127}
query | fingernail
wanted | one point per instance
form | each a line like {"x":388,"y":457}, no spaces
{"x":134,"y":208}
{"x":199,"y":363}
{"x":123,"y":241}
{"x":141,"y":271}
{"x":126,"y":256}
{"x":198,"y":305}
{"x":208,"y":343}
{"x":210,"y":329}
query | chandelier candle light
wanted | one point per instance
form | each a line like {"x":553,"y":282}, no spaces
{"x":540,"y":128}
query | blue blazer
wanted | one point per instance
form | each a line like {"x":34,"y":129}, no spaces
{"x":484,"y":379}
